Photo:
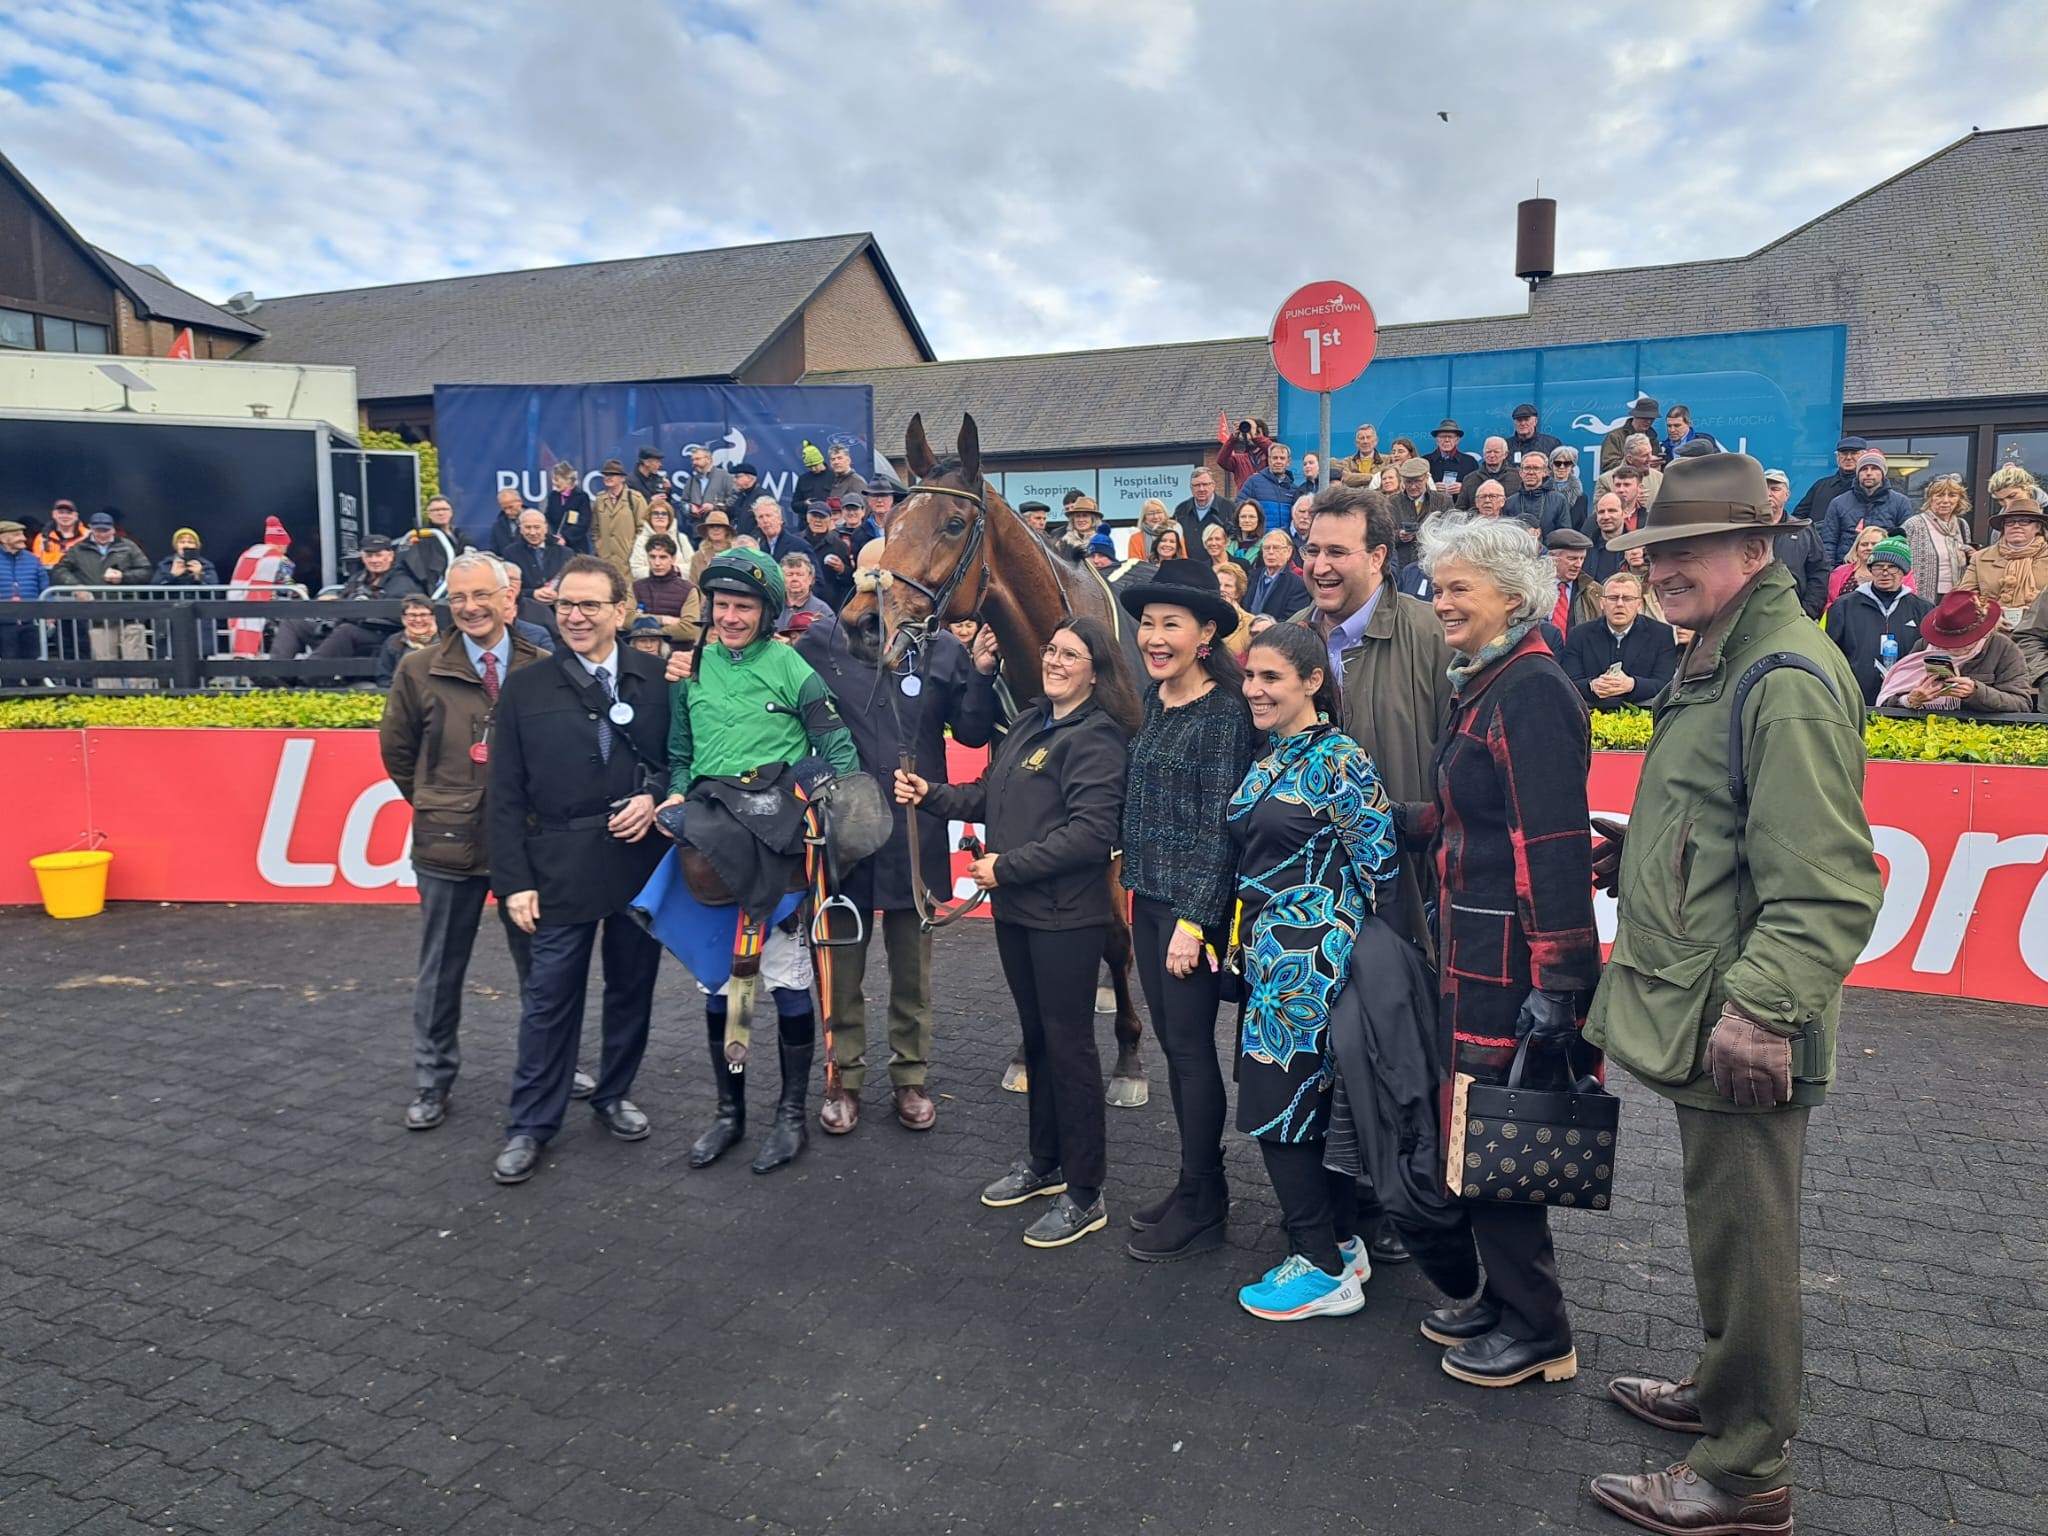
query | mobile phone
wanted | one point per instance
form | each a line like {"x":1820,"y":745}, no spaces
{"x":1943,"y":667}
{"x":1615,"y":670}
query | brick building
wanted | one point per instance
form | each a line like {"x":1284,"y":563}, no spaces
{"x":60,"y":294}
{"x":754,"y":314}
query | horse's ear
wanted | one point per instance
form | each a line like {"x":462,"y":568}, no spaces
{"x":970,"y":450}
{"x":917,"y":452}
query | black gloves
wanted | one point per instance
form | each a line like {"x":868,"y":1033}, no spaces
{"x":1547,"y":1019}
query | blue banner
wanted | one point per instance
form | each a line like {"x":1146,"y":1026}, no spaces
{"x":496,"y":435}
{"x":1776,"y":395}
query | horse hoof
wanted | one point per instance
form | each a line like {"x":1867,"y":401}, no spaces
{"x":1016,"y":1079}
{"x":1105,"y":1000}
{"x":1128,"y":1092}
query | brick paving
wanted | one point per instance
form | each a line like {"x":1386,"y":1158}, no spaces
{"x":236,"y":1296}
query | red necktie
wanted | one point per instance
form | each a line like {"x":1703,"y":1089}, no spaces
{"x":491,"y":676}
{"x":1561,"y":614}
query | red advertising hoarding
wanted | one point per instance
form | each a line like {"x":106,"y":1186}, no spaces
{"x":308,"y":816}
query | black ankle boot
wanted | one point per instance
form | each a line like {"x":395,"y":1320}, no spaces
{"x":1193,"y":1223}
{"x":795,"y":1043}
{"x":731,"y":1082}
{"x":1152,"y":1212}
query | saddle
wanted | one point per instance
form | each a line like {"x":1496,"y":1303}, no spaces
{"x":740,"y":841}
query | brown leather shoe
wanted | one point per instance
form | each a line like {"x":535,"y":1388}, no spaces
{"x":914,"y":1108}
{"x":1666,"y":1404}
{"x":840,"y":1112}
{"x":1679,"y":1502}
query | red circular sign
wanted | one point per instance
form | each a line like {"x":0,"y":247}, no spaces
{"x":1322,"y":336}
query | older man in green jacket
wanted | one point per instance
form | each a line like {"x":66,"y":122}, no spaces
{"x":1747,"y":888}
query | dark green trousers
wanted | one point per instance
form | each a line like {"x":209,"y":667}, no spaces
{"x":909,"y":949}
{"x":1742,"y":1175}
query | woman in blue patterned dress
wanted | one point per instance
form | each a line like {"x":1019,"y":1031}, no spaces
{"x":1316,"y":847}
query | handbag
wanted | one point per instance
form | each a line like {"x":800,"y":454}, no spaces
{"x":1532,"y":1146}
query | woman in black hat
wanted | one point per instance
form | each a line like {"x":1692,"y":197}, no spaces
{"x":1186,"y":761}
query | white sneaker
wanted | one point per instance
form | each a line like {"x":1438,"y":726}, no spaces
{"x":1352,"y":1251}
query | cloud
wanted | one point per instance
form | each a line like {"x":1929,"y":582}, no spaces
{"x":1040,"y":177}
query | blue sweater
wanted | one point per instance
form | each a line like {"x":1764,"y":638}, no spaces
{"x":23,"y":578}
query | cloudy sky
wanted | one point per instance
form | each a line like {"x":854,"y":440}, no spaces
{"x":1067,"y":173}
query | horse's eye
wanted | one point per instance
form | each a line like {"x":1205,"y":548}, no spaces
{"x":956,"y":525}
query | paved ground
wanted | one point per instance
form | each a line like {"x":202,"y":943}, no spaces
{"x":236,"y":1296}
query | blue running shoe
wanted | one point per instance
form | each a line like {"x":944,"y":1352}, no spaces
{"x":1352,"y":1250}
{"x":1298,"y":1290}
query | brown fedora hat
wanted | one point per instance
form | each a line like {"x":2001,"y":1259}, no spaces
{"x":1711,"y":493}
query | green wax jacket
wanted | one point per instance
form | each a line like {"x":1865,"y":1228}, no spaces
{"x":1766,"y":907}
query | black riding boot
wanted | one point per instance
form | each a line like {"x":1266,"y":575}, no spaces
{"x":731,"y":1081}
{"x":796,"y":1041}
{"x":1192,"y":1223}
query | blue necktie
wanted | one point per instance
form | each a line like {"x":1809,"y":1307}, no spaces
{"x":604,"y":723}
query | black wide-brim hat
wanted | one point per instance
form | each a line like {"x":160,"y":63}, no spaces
{"x":1189,"y":584}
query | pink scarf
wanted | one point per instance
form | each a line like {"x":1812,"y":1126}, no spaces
{"x":1909,"y":672}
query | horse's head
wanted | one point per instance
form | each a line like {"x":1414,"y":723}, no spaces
{"x":935,"y":560}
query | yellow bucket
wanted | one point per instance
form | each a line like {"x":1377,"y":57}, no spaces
{"x":73,"y":884}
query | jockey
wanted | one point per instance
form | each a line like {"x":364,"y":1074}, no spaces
{"x":747,"y":707}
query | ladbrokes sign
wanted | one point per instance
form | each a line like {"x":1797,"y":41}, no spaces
{"x":303,"y":816}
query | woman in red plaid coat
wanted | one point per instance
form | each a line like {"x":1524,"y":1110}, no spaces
{"x":1512,"y":844}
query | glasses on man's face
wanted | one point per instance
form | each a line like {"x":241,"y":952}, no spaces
{"x":1064,"y":656}
{"x":588,"y":610}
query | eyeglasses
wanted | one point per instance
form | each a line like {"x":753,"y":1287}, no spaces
{"x":588,"y":610}
{"x":1065,"y":657}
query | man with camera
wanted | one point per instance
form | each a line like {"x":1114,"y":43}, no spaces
{"x":436,"y":742}
{"x":579,"y":757}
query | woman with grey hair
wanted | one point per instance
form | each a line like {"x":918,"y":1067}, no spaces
{"x":1509,"y":835}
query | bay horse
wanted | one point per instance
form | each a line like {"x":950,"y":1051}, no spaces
{"x":955,"y":551}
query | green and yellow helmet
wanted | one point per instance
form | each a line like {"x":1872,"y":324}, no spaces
{"x":749,"y":573}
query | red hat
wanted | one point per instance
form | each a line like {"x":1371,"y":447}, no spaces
{"x":273,"y":532}
{"x":1959,"y":620}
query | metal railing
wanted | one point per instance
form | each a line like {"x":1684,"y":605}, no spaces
{"x":174,"y":640}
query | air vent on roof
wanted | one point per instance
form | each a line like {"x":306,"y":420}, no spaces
{"x":243,"y":303}
{"x":153,"y":270}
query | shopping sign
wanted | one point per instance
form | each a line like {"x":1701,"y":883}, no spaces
{"x":1322,"y":336}
{"x":309,"y":816}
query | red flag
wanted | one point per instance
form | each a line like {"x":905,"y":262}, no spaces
{"x":182,"y":347}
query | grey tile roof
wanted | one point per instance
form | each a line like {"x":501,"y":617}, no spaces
{"x":1940,"y":274}
{"x":1059,"y":402}
{"x":694,"y":314}
{"x":167,"y":301}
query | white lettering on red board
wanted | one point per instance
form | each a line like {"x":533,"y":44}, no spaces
{"x":1909,"y":871}
{"x":274,"y":861}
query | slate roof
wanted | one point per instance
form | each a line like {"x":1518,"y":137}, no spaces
{"x":693,"y":314}
{"x":165,"y":300}
{"x":1940,"y":274}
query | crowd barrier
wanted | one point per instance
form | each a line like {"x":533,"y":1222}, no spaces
{"x":308,"y":816}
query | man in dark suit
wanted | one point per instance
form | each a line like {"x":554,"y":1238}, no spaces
{"x":1275,"y":589}
{"x":1202,"y":507}
{"x":581,"y":757}
{"x":1623,"y":658}
{"x":537,"y":557}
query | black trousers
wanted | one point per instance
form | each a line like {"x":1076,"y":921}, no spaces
{"x":1052,"y":977}
{"x":1183,"y":1010}
{"x":551,"y":1019}
{"x":1318,"y":1206}
{"x":1513,"y":1243}
{"x":18,"y":642}
{"x":451,"y":907}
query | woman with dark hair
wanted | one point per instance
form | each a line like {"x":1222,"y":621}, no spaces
{"x":1052,"y":799}
{"x":1315,"y":843}
{"x":1251,"y":529}
{"x":1188,"y":758}
{"x":1509,"y":833}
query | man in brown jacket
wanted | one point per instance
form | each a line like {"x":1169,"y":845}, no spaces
{"x":617,"y":514}
{"x":436,"y":743}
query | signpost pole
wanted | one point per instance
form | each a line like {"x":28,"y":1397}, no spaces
{"x":1323,"y":441}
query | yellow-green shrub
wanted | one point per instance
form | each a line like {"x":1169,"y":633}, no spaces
{"x":244,"y":711}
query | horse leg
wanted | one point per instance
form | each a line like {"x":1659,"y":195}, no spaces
{"x":1128,"y":1087}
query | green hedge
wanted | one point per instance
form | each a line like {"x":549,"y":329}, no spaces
{"x":1935,"y":739}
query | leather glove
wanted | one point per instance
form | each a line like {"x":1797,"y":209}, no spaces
{"x":1547,"y":1018}
{"x":1751,"y":1065}
{"x":1607,"y":854}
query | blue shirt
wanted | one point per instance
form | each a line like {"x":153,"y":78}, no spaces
{"x":502,"y":650}
{"x":1351,"y":632}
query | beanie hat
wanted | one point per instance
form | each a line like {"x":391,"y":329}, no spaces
{"x":812,"y":458}
{"x":183,"y":533}
{"x":1870,"y":456}
{"x":1894,"y":549}
{"x":273,"y":532}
